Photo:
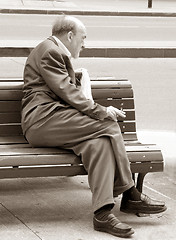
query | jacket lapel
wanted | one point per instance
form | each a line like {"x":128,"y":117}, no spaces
{"x":67,"y":63}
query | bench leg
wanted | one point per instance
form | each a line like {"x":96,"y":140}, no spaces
{"x":140,"y":180}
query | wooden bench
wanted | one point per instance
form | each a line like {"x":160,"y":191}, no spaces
{"x":19,"y":160}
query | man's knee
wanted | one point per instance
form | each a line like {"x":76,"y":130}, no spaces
{"x":100,"y":144}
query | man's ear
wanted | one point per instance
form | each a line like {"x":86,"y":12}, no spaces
{"x":70,"y":36}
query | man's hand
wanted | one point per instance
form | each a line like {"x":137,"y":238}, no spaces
{"x":114,"y":113}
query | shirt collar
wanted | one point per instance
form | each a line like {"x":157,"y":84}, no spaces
{"x":62,"y":46}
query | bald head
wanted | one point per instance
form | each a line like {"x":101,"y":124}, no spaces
{"x":65,"y":24}
{"x":71,"y":32}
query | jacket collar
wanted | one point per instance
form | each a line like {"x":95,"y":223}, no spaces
{"x":60,"y":44}
{"x":52,"y":39}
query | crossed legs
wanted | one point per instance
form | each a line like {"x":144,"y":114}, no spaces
{"x":100,"y":145}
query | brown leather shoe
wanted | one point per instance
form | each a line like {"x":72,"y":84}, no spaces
{"x":113,"y":226}
{"x":146,"y":205}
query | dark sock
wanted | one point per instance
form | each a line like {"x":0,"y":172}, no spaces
{"x":102,"y":213}
{"x":132,"y":194}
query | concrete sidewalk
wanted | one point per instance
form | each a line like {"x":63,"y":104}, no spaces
{"x":91,"y":7}
{"x":59,"y":208}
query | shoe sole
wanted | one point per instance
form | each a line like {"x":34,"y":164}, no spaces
{"x":144,"y":211}
{"x":123,"y":235}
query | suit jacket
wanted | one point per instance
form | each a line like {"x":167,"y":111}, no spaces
{"x":50,"y":84}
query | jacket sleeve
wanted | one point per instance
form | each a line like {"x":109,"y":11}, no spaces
{"x":54,"y":72}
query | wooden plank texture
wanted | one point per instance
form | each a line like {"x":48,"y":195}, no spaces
{"x":37,"y":160}
{"x":10,"y":129}
{"x":112,"y":93}
{"x":18,"y":151}
{"x":11,"y":95}
{"x":64,"y":158}
{"x":93,"y":78}
{"x":11,"y":117}
{"x":68,"y":170}
{"x":6,"y":139}
{"x":15,"y":106}
{"x":13,"y":139}
{"x":11,"y":79}
{"x":130,"y":146}
{"x":24,"y":155}
{"x":15,"y":117}
{"x":15,"y":129}
{"x":145,"y":156}
{"x":10,"y":106}
{"x":97,"y":94}
{"x":12,"y":85}
{"x":118,"y":103}
{"x":146,"y":167}
{"x":42,"y":172}
{"x":110,"y":84}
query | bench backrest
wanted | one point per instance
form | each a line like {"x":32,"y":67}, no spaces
{"x":106,"y":91}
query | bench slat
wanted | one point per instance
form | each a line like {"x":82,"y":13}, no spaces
{"x":10,"y":129}
{"x":94,"y":84}
{"x":11,"y":85}
{"x":15,"y":117}
{"x":12,"y":140}
{"x":118,"y":103}
{"x":10,"y":106}
{"x":141,"y":147}
{"x":97,"y":93}
{"x":146,"y":167}
{"x":15,"y":129}
{"x":128,"y":145}
{"x":32,"y":160}
{"x":112,"y":93}
{"x":19,"y":139}
{"x":10,"y":117}
{"x":11,"y":79}
{"x":107,"y":78}
{"x":15,"y":106}
{"x":11,"y":95}
{"x":145,"y":156}
{"x":69,"y":171}
{"x":110,"y":84}
{"x":16,"y":145}
{"x":32,"y":151}
{"x":36,"y":156}
{"x":42,"y":172}
{"x":93,"y":78}
{"x":26,"y":149}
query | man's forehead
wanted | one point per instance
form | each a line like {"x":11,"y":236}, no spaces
{"x":82,"y":31}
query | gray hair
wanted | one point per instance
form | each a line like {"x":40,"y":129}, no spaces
{"x":65,"y":24}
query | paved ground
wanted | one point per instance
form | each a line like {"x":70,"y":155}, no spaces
{"x":60,"y":208}
{"x":122,"y":7}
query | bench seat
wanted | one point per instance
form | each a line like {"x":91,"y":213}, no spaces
{"x":19,"y":160}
